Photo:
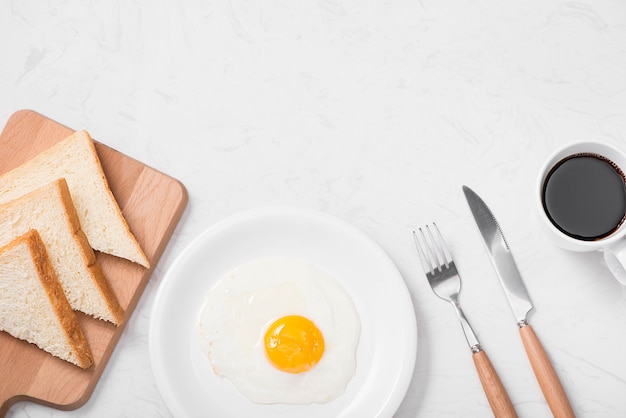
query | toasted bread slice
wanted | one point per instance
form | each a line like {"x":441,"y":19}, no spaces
{"x":33,"y":306}
{"x":75,"y":159}
{"x":50,"y":211}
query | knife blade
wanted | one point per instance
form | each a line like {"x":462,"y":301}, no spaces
{"x":520,"y":303}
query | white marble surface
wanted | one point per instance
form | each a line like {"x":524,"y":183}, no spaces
{"x":375,"y":112}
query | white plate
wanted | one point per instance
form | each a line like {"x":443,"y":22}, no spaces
{"x":388,"y":342}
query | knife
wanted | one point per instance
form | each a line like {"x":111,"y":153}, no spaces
{"x":520,"y":304}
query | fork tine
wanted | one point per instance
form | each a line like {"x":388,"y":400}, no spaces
{"x":435,"y":249}
{"x":432,"y":249}
{"x":426,"y":262}
{"x":442,"y":246}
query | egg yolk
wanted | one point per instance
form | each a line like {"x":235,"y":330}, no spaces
{"x":294,"y":344}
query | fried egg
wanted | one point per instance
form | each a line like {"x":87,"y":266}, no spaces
{"x":282,"y":331}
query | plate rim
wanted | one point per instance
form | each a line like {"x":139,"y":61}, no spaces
{"x":403,"y":381}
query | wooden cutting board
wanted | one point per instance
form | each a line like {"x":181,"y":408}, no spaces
{"x":152,"y":203}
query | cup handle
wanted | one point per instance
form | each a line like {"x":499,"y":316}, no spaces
{"x":615,"y":257}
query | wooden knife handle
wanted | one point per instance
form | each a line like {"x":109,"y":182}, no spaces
{"x":494,"y":389}
{"x":546,"y":376}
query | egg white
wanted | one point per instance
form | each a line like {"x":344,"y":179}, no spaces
{"x":245,"y":302}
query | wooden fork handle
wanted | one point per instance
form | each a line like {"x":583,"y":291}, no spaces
{"x":546,"y":376}
{"x":499,"y":401}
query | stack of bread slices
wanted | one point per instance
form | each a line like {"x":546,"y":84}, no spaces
{"x":55,"y":210}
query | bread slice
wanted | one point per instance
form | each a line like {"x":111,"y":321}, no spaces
{"x":50,"y":211}
{"x":33,"y":306}
{"x":76,"y":160}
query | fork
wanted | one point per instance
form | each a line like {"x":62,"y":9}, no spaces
{"x":445,"y":282}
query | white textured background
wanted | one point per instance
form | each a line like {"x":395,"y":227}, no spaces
{"x":373,"y":111}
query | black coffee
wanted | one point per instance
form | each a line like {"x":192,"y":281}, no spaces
{"x":584,"y":196}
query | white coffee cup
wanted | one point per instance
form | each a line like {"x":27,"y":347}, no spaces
{"x":613,"y":245}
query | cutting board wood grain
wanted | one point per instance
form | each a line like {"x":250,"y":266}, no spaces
{"x":152,"y":203}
